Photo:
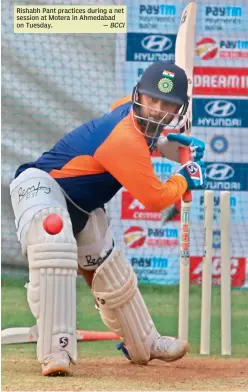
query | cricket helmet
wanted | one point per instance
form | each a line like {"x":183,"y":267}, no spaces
{"x":167,"y":82}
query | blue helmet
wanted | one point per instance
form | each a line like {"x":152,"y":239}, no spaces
{"x":165,"y":81}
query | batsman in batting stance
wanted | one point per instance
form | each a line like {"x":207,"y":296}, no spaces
{"x":58,"y":202}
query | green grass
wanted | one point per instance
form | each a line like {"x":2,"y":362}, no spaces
{"x":162,"y":302}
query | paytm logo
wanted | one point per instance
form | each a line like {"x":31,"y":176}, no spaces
{"x":224,"y":19}
{"x":156,"y":43}
{"x":149,"y":262}
{"x":225,"y":12}
{"x":161,"y":168}
{"x":162,"y":9}
{"x":140,"y":72}
{"x":167,"y":232}
{"x":230,"y":44}
{"x":233,"y":201}
{"x":220,"y":108}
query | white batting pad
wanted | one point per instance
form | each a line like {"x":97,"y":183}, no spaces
{"x":51,"y":291}
{"x":95,"y":241}
{"x":32,"y":191}
{"x":122,"y":307}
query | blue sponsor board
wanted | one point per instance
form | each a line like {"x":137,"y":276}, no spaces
{"x":150,"y":47}
{"x":227,"y":176}
{"x":231,"y":113}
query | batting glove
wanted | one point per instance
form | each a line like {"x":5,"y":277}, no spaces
{"x":194,"y":174}
{"x":169,"y":146}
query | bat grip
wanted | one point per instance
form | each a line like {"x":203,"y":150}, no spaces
{"x":185,"y":157}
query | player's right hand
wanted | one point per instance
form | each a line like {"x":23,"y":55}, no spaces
{"x":169,"y":146}
{"x":194,"y":174}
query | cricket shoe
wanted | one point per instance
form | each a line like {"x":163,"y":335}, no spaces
{"x":57,"y":364}
{"x":164,"y":348}
{"x":168,"y":349}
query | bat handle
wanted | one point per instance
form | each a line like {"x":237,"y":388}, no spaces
{"x":185,"y":157}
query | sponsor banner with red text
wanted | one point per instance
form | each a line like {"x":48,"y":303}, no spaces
{"x":220,"y":81}
{"x":131,"y":208}
{"x":238,"y":270}
{"x":218,"y":51}
{"x":151,"y":236}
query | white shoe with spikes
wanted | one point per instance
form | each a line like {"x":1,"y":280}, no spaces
{"x":57,"y":364}
{"x":168,"y":348}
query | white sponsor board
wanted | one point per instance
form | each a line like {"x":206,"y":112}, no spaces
{"x":223,"y":144}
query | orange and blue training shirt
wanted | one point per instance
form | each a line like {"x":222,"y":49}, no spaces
{"x":96,"y":159}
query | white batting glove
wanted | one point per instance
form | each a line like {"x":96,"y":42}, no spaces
{"x":169,"y":146}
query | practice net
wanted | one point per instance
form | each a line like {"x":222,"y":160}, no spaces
{"x":52,"y":83}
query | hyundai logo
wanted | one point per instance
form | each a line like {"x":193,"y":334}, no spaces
{"x":156,"y":43}
{"x":219,"y":172}
{"x":220,"y":108}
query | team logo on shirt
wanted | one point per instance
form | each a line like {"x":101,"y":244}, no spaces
{"x":165,"y":85}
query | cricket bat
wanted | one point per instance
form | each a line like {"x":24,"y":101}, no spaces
{"x":30,"y":335}
{"x":184,"y":58}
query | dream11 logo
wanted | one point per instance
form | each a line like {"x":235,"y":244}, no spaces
{"x":220,"y":81}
